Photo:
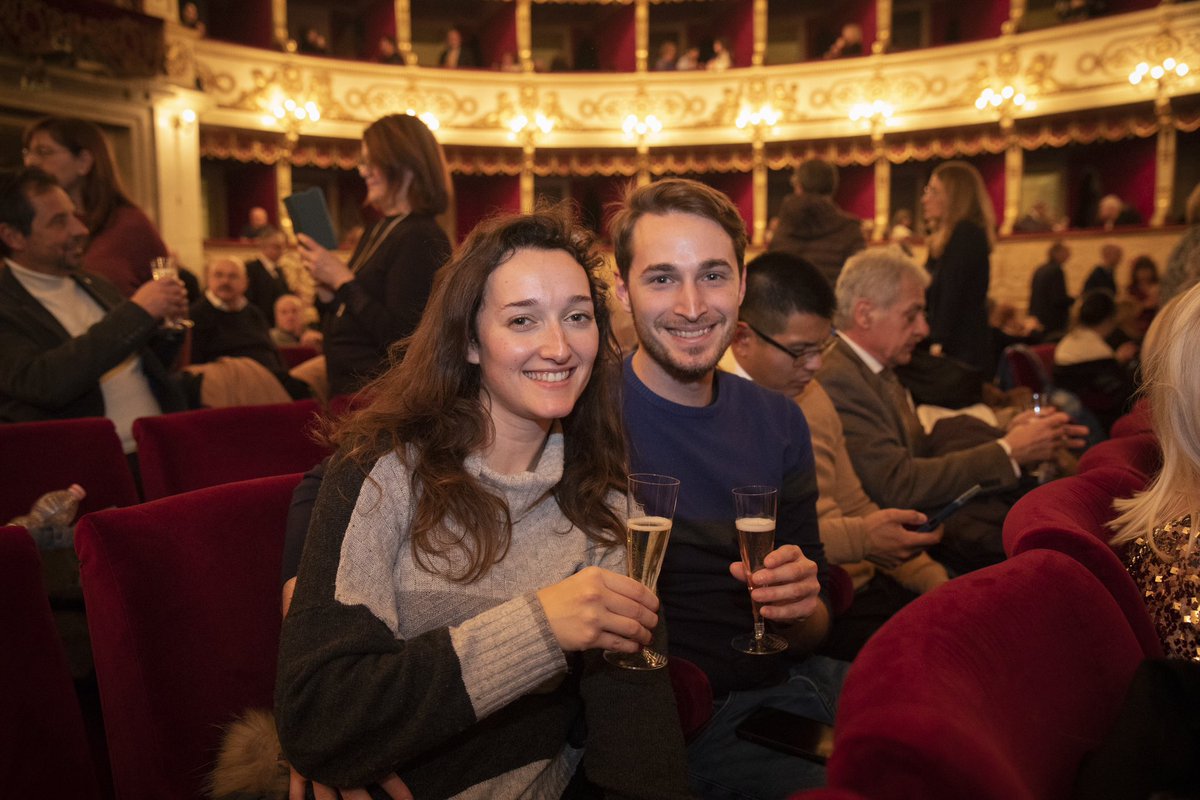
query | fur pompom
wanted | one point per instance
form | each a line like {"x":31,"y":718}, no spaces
{"x":250,"y":763}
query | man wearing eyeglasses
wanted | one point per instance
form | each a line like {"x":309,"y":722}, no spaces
{"x":784,"y":329}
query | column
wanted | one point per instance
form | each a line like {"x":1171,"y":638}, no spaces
{"x":1164,"y":170}
{"x":527,"y":194}
{"x":760,"y":33}
{"x":883,"y":26}
{"x":883,"y":195}
{"x":402,"y":10}
{"x":641,"y":35}
{"x":759,"y":188}
{"x":279,"y":20}
{"x":177,"y":172}
{"x":525,"y":35}
{"x":1014,"y":171}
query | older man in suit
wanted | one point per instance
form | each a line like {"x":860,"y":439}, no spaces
{"x":880,"y":319}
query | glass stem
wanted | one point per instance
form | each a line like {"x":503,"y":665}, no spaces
{"x":758,"y":630}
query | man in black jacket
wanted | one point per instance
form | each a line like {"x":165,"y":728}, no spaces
{"x":812,"y":227}
{"x":265,"y":281}
{"x":70,"y":344}
{"x":1048,"y":298}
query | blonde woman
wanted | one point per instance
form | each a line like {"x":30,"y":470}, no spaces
{"x":959,"y":214}
{"x":1159,"y":526}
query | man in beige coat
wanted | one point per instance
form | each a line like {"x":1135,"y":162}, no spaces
{"x":783,"y":328}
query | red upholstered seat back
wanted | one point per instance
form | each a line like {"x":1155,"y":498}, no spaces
{"x":183,"y":607}
{"x":294,"y":355}
{"x":42,"y":738}
{"x":990,"y":687}
{"x":43,"y":456}
{"x":1028,"y":367}
{"x":1139,"y":453}
{"x":1135,"y":422}
{"x":1070,"y":516}
{"x":194,"y":449}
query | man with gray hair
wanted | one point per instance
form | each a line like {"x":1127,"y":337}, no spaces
{"x":811,"y":226}
{"x":880,"y":320}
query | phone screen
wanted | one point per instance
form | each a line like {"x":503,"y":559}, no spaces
{"x":790,"y":733}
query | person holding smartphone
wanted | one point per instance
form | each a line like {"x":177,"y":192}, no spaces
{"x":378,"y":297}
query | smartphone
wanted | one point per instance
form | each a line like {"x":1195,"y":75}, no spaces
{"x":310,"y":216}
{"x":948,"y":510}
{"x":789,"y":733}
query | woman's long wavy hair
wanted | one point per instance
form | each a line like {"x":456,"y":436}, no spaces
{"x":428,"y":408}
{"x":966,"y":199}
{"x":102,"y":191}
{"x":1171,"y":383}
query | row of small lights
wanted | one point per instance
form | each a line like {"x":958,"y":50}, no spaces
{"x":286,"y":109}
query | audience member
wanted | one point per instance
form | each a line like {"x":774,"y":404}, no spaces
{"x":721,"y":59}
{"x":784,"y":326}
{"x":1158,"y":527}
{"x":226,"y":323}
{"x":292,"y":325}
{"x":1036,"y":220}
{"x":1086,"y":364}
{"x":812,"y":226}
{"x":668,"y":52}
{"x":1183,"y":265}
{"x":470,"y":664}
{"x":189,"y":17}
{"x":257,"y":223}
{"x":456,"y":53}
{"x":880,"y":319}
{"x":1104,"y":275}
{"x":312,"y":42}
{"x":689,"y":60}
{"x":1113,"y":212}
{"x":1076,"y":10}
{"x":963,"y":230}
{"x":679,"y":247}
{"x":122,"y":240}
{"x":266,"y":282}
{"x":848,"y":43}
{"x":1144,"y":290}
{"x":901,"y":231}
{"x":378,"y":297}
{"x":386,"y":51}
{"x":70,"y":344}
{"x":1048,"y":298}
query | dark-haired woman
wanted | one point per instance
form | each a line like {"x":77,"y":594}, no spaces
{"x":378,"y":297}
{"x":463,"y":568}
{"x":121,"y":239}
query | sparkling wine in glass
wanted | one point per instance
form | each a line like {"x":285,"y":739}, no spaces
{"x":650,"y":505}
{"x":164,"y":267}
{"x":756,"y":508}
{"x":1047,"y":470}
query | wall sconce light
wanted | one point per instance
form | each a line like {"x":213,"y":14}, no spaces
{"x":764,"y":115}
{"x":878,"y":110}
{"x":635,"y":125}
{"x":428,"y":117}
{"x":524,"y":124}
{"x":1004,"y":100}
{"x":1167,"y":68}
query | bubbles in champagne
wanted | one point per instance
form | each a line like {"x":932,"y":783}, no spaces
{"x":756,"y":538}
{"x":647,"y":544}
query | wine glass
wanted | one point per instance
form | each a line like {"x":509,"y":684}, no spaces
{"x":1039,"y":404}
{"x":650,"y":506}
{"x":756,"y":508}
{"x":164,"y":267}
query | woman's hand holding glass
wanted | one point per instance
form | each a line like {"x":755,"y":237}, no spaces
{"x":329,"y":271}
{"x":599,"y":608}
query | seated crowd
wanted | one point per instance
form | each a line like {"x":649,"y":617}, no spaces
{"x":454,"y":571}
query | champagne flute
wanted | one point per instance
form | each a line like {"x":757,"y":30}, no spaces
{"x":164,"y":267}
{"x":756,"y":509}
{"x":1045,"y":471}
{"x":650,"y":507}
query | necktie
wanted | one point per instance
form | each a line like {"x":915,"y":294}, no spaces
{"x":899,"y":397}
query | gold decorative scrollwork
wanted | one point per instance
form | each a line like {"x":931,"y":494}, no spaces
{"x":672,"y":107}
{"x":757,"y":94}
{"x":376,"y":100}
{"x":290,"y":80}
{"x":900,"y":89}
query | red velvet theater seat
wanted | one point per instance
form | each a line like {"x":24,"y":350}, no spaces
{"x":194,"y":449}
{"x":1070,"y":516}
{"x":43,"y":456}
{"x":990,"y":687}
{"x":1135,"y":422}
{"x":1139,"y":453}
{"x":183,"y":608}
{"x":294,"y":355}
{"x":42,"y":739}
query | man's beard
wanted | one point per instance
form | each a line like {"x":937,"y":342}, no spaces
{"x":662,"y":355}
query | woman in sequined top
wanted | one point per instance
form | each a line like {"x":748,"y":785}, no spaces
{"x":1160,"y":525}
